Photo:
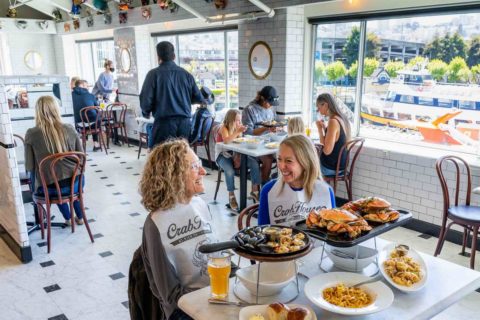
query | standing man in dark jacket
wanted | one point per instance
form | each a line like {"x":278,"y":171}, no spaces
{"x":81,"y":99}
{"x":168,"y":93}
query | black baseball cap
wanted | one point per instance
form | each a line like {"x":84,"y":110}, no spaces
{"x":207,"y":95}
{"x":270,"y":95}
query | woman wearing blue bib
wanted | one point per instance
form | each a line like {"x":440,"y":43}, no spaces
{"x":299,"y":188}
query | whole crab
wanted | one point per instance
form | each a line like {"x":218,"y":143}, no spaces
{"x":338,"y":221}
{"x":373,"y":209}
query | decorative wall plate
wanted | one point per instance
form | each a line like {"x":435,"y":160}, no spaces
{"x":66,"y":27}
{"x":43,"y":24}
{"x":21,"y":24}
{"x":146,"y":13}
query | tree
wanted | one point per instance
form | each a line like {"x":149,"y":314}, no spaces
{"x":437,"y":69}
{"x":319,"y":71}
{"x":464,"y":75}
{"x":335,"y":70}
{"x":476,"y":73}
{"x":446,"y":48}
{"x":392,"y":67}
{"x":369,"y":66}
{"x":454,"y":69}
{"x":474,"y":52}
{"x":353,"y":43}
{"x":416,"y":62}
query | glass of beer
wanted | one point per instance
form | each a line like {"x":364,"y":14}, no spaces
{"x":219,"y":271}
{"x":308,"y":131}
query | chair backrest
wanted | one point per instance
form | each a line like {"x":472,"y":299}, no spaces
{"x":207,"y":126}
{"x":348,"y":147}
{"x":18,"y":138}
{"x":247,"y":212}
{"x":49,"y":164}
{"x":457,"y":163}
{"x":87,"y":120}
{"x":114,"y":107}
{"x":201,"y":123}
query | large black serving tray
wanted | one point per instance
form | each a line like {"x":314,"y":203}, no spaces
{"x":345,"y":241}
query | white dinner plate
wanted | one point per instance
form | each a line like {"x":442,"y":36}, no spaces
{"x":382,"y":294}
{"x":385,"y":254}
{"x":247,"y":312}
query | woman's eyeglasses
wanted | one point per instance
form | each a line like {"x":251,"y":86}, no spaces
{"x":196,"y":165}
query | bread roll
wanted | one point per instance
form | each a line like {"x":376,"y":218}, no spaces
{"x":277,"y":311}
{"x":299,"y":314}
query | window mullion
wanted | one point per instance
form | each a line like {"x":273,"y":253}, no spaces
{"x":359,"y":86}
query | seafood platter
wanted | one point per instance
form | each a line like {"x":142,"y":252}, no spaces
{"x":265,"y":241}
{"x":354,"y":222}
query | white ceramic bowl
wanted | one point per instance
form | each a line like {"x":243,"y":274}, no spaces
{"x":343,"y":257}
{"x":253,"y":144}
{"x":274,"y":276}
{"x":279,"y":136}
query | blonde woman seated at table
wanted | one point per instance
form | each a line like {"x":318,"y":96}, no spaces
{"x":333,"y":135}
{"x":49,"y":136}
{"x":300,"y":187}
{"x":295,"y":126}
{"x":179,"y":221}
{"x":231,"y":129}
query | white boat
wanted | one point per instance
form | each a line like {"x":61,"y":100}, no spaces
{"x":414,"y":95}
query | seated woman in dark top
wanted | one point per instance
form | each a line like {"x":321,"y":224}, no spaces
{"x":50,"y":136}
{"x":179,"y":221}
{"x":333,"y":135}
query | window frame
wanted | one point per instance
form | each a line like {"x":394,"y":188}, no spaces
{"x":363,"y":19}
{"x":225,"y":30}
{"x":92,"y":53}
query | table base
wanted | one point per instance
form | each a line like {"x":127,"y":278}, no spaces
{"x":288,"y":294}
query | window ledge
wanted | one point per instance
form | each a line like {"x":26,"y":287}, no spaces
{"x":425,"y":152}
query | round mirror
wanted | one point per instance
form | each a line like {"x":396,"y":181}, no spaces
{"x":125,"y":60}
{"x":260,"y":60}
{"x":33,"y":60}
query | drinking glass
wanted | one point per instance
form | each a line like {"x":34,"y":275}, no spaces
{"x":308,"y":131}
{"x":219,"y":271}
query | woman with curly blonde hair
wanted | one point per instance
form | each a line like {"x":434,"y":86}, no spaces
{"x":179,"y":221}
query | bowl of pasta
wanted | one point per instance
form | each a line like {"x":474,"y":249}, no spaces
{"x":334,"y":292}
{"x":402,"y":267}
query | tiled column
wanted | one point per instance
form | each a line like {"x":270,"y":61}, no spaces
{"x":284,"y":34}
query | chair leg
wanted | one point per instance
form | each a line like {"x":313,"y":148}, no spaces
{"x":474,"y":247}
{"x":466,"y":233}
{"x":139,"y":147}
{"x":85,"y":220}
{"x":72,"y":217}
{"x":40,"y":218}
{"x":84,"y":142}
{"x":219,"y":178}
{"x":49,"y":228}
{"x":335,"y":187}
{"x":124,"y":127}
{"x":102,"y":142}
{"x":207,"y":149}
{"x":348,"y":183}
{"x":441,"y":239}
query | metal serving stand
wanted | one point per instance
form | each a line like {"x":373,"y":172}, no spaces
{"x":241,"y":292}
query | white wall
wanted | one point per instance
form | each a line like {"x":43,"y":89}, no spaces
{"x":18,"y":44}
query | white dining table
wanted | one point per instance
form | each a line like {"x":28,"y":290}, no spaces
{"x":242,"y":149}
{"x":447,"y":283}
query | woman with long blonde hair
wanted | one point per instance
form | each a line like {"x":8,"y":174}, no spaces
{"x":49,"y":136}
{"x":179,"y":221}
{"x":231,"y":129}
{"x":299,"y":188}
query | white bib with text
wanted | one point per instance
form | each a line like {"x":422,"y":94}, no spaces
{"x":182,"y":230}
{"x":288,"y":206}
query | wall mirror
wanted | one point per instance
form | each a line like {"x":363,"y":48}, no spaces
{"x":260,"y":60}
{"x":125,"y":59}
{"x":33,"y":60}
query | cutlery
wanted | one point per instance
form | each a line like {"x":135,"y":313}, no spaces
{"x":372,"y":280}
{"x":231,"y":303}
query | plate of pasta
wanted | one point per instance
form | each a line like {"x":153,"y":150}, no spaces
{"x":403,"y":267}
{"x":334,"y":292}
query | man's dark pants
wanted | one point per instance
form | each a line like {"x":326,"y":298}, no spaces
{"x":173,"y":127}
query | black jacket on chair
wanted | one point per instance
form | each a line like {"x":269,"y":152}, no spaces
{"x":82,"y":98}
{"x":201,"y":115}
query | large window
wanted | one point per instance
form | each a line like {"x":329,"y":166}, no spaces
{"x":92,"y":56}
{"x":420,"y":80}
{"x":212,"y":58}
